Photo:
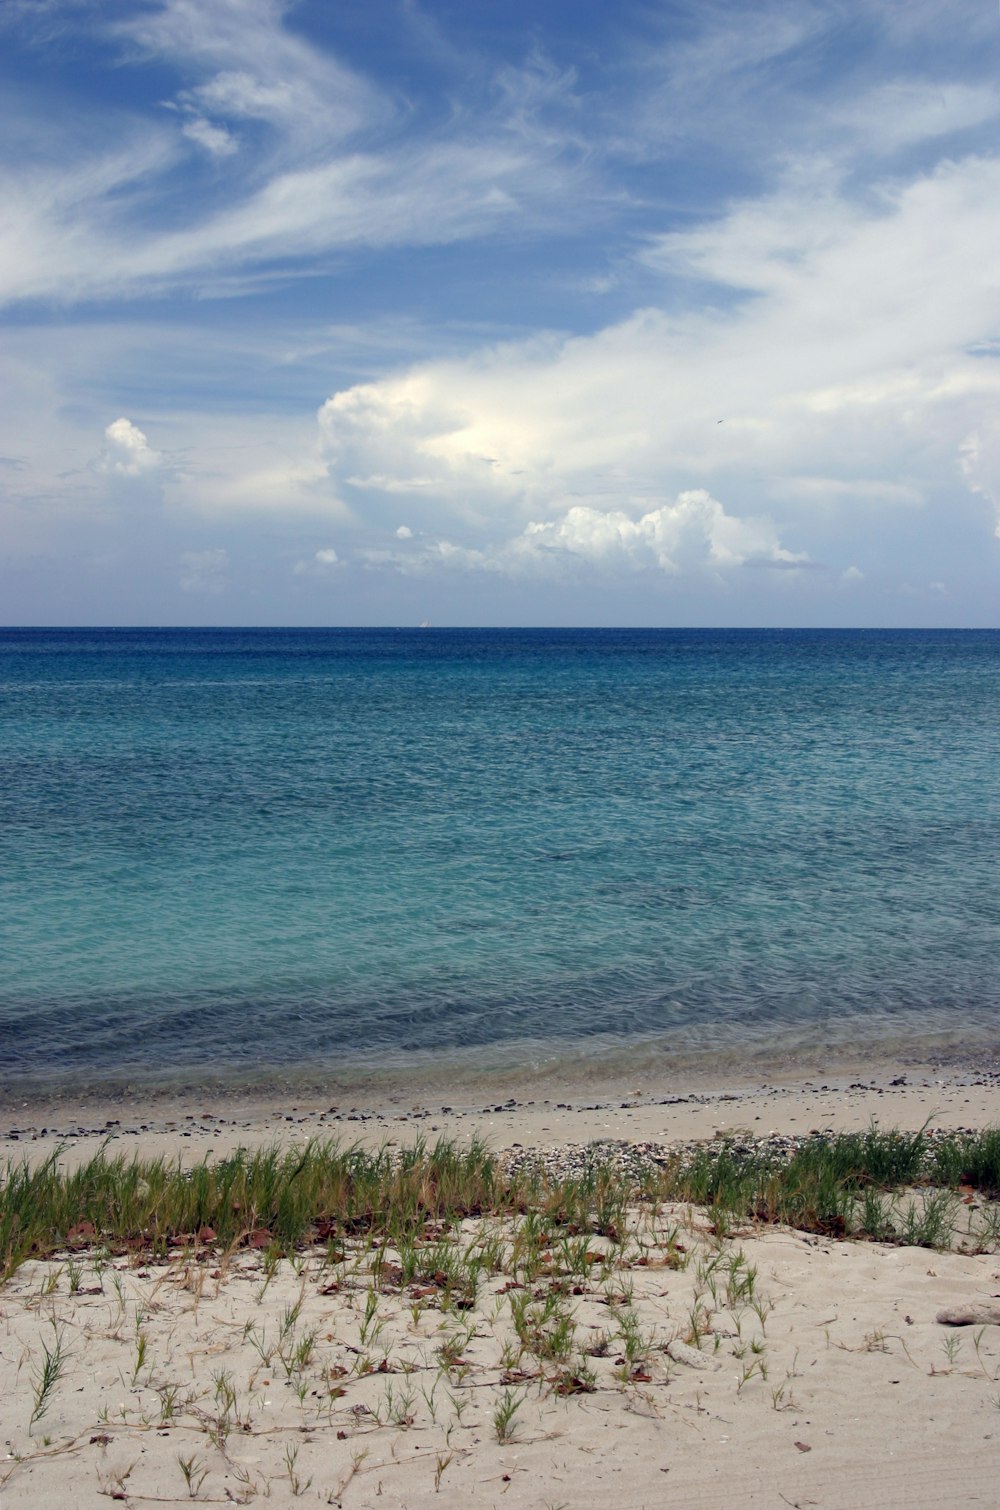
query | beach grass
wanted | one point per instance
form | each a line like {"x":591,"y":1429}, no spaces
{"x":280,"y":1200}
{"x":297,"y":1318}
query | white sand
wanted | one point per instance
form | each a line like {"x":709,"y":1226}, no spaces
{"x":840,"y":1389}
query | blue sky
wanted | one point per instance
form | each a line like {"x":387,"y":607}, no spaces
{"x":361,"y":313}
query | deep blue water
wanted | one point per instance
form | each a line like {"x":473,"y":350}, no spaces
{"x":229,"y":852}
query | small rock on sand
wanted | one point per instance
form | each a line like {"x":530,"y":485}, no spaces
{"x":976,"y":1315}
{"x":680,"y":1352}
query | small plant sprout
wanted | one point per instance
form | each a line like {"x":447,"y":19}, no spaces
{"x":50,"y":1283}
{"x":49,"y":1372}
{"x":977,"y":1343}
{"x":195,"y":1473}
{"x":440,"y":1464}
{"x":141,"y":1353}
{"x":370,"y":1328}
{"x":120,"y":1293}
{"x":430,"y":1399}
{"x":114,"y":1483}
{"x":168,"y":1401}
{"x":258,"y":1341}
{"x":298,"y":1484}
{"x":503,"y":1416}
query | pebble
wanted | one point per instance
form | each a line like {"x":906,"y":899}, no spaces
{"x":634,"y":1159}
{"x":681,"y":1352}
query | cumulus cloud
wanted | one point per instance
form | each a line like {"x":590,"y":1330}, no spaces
{"x":127,"y":452}
{"x":692,"y":534}
{"x":318,"y":564}
{"x":204,"y":571}
{"x":819,"y":392}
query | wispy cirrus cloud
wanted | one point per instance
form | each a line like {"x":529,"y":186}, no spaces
{"x":253,"y":67}
{"x":318,"y":159}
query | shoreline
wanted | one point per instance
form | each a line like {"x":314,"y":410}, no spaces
{"x":527,"y":1110}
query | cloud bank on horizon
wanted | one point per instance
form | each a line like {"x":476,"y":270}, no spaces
{"x":676,"y":313}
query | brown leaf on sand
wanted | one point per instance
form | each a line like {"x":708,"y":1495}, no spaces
{"x":974,"y":1315}
{"x":570,"y":1384}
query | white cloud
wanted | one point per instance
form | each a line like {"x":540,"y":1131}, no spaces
{"x":694,"y":531}
{"x":692,"y":534}
{"x":844,"y":384}
{"x":61,"y":241}
{"x":907,"y":111}
{"x":257,"y":68}
{"x":204,"y":571}
{"x":322,"y":159}
{"x":239,"y":471}
{"x":979,"y":462}
{"x":127,"y":452}
{"x":824,"y":490}
{"x":318,"y":565}
{"x":810,"y":78}
{"x":216,"y":140}
{"x":820,"y":353}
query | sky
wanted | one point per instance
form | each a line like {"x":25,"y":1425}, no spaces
{"x":482,"y":313}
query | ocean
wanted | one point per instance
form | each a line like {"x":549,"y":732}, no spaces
{"x":234,"y":855}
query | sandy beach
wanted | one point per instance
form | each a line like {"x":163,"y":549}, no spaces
{"x":763,"y":1367}
{"x":579,"y":1104}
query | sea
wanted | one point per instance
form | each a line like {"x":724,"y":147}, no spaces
{"x":245,"y":856}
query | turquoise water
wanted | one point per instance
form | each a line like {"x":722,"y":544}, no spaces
{"x":231,"y":853}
